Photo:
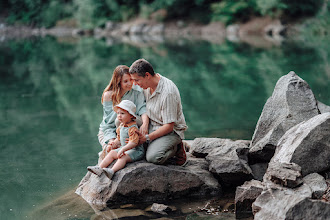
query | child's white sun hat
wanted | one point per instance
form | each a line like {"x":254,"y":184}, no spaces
{"x":126,"y":105}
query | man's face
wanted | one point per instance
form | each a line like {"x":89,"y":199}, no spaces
{"x":140,"y":80}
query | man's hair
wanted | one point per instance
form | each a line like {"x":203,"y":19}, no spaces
{"x":141,"y":66}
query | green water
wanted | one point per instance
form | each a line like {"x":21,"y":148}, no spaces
{"x":50,"y":101}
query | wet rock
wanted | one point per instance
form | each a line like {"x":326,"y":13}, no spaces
{"x":284,"y":174}
{"x":151,"y":183}
{"x":245,"y":196}
{"x":307,"y":144}
{"x":292,"y":102}
{"x":162,"y":209}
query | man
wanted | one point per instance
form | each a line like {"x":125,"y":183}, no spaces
{"x":164,"y":109}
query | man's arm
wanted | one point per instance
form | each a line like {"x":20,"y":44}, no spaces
{"x":163,"y":130}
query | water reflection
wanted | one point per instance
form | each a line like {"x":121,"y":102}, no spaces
{"x":50,"y":101}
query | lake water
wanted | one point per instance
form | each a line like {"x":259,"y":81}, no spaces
{"x":50,"y":106}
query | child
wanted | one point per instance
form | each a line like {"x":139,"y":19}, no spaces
{"x":124,"y":153}
{"x":120,"y":88}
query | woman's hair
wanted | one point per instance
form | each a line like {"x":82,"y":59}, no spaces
{"x":114,"y":85}
{"x":141,"y":66}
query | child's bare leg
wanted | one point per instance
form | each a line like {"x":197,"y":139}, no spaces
{"x":121,"y":162}
{"x":111,"y":156}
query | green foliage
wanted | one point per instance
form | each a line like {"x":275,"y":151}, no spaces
{"x":228,"y":11}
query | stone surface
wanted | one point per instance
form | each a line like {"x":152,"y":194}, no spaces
{"x":275,"y":202}
{"x":284,"y":174}
{"x":244,"y":197}
{"x":307,"y":144}
{"x":143,"y":182}
{"x":309,"y":209}
{"x":228,"y":159}
{"x":292,"y":102}
{"x":323,"y":108}
{"x":317,"y":184}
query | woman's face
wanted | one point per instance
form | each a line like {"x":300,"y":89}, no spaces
{"x":126,"y":82}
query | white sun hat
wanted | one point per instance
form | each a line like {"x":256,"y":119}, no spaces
{"x":128,"y":106}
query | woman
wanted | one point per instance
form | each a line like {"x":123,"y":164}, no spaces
{"x":120,"y":88}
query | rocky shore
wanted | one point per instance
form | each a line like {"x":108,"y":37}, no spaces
{"x":282,"y":173}
{"x":267,"y":31}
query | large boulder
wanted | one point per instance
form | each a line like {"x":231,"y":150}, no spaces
{"x":292,"y":102}
{"x":145,"y":182}
{"x":228,"y":159}
{"x":307,"y":144}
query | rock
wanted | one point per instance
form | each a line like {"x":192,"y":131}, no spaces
{"x":162,"y":209}
{"x":309,"y":209}
{"x":307,"y":144}
{"x":323,"y":108}
{"x":284,"y":174}
{"x":145,"y":182}
{"x":244,"y":197}
{"x":201,"y":147}
{"x":275,"y":201}
{"x":259,"y":170}
{"x":227,"y":158}
{"x":317,"y":184}
{"x":292,"y":102}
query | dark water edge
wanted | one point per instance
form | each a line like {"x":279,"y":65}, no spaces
{"x":72,"y":206}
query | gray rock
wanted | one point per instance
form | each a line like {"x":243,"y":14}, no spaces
{"x":201,"y":147}
{"x":308,"y":209}
{"x":244,"y":197}
{"x":292,"y":102}
{"x":317,"y":184}
{"x":284,"y":174}
{"x":307,"y":144}
{"x":275,"y":201}
{"x":227,"y":158}
{"x":161,"y":208}
{"x":323,"y":108}
{"x":259,"y":170}
{"x":145,"y":182}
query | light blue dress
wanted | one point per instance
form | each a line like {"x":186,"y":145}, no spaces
{"x":108,"y":126}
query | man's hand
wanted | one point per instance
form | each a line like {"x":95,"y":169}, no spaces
{"x":142,"y":137}
{"x":144,"y":129}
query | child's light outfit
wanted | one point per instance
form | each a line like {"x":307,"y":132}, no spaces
{"x":125,"y":131}
{"x":108,"y":127}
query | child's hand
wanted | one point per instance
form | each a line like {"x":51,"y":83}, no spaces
{"x":121,"y":153}
{"x":113,"y":145}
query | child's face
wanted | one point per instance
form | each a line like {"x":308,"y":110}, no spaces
{"x":126,"y":82}
{"x":123,"y":116}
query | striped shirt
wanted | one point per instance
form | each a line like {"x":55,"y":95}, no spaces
{"x":164,"y":106}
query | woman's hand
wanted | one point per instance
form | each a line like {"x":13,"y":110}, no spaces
{"x":113,"y":145}
{"x":144,"y":128}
